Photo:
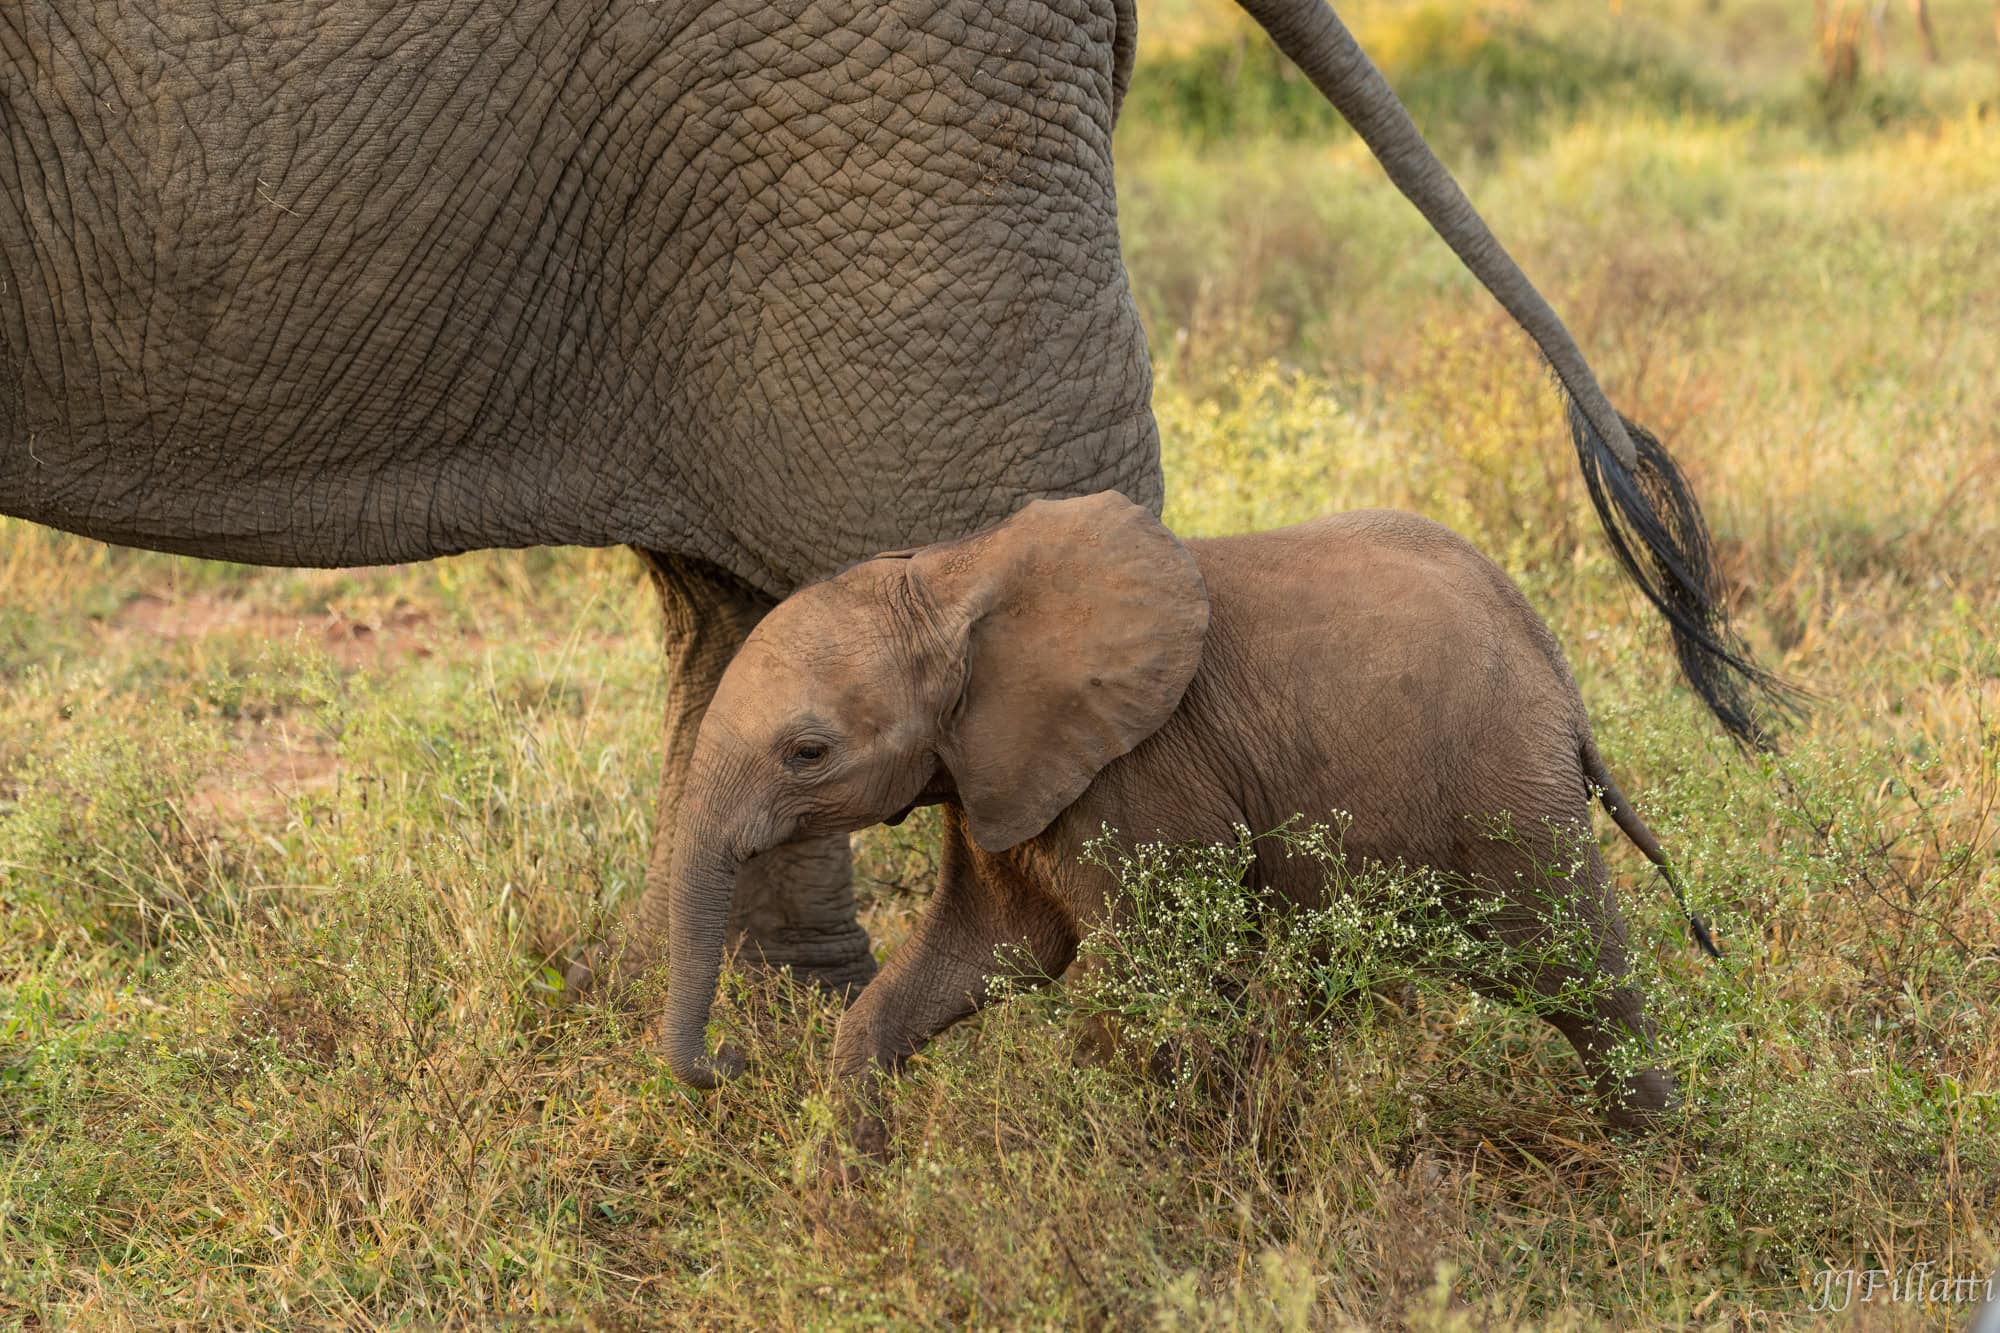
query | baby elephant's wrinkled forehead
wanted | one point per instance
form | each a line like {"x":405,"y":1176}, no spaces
{"x":824,"y":651}
{"x":822,"y":620}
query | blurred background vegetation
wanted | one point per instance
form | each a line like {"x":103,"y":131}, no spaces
{"x":284,"y":855}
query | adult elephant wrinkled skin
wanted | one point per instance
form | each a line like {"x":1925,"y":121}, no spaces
{"x":757,"y":287}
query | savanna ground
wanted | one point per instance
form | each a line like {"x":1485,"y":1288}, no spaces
{"x":283,"y":854}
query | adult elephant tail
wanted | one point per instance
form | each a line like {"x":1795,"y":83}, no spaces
{"x":1648,"y":511}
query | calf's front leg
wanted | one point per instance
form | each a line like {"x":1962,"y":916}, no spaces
{"x":986,"y":922}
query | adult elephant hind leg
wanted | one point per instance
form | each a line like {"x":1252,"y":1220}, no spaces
{"x":795,"y":905}
{"x":795,"y":908}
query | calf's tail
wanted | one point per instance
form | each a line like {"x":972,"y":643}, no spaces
{"x":1627,"y":819}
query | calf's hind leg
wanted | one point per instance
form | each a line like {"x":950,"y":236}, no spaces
{"x":1558,"y":922}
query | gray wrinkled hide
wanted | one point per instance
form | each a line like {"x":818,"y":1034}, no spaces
{"x":773,"y":285}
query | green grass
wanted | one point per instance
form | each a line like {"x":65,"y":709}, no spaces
{"x":283,"y":855}
{"x":1480,"y":76}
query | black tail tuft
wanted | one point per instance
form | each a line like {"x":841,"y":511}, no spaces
{"x":1658,"y":533}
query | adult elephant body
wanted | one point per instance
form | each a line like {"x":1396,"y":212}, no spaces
{"x":338,"y":282}
{"x":759,"y":287}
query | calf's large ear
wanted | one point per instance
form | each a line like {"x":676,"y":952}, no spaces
{"x":1071,"y":631}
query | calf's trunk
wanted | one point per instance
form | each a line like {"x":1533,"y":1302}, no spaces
{"x":703,"y":881}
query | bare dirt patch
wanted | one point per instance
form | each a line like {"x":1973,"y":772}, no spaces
{"x":403,"y":633}
{"x":275,"y":760}
{"x":271,"y":766}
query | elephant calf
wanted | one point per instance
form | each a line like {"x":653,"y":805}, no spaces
{"x":1078,"y":666}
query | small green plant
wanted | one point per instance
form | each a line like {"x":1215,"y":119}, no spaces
{"x":1194,"y":959}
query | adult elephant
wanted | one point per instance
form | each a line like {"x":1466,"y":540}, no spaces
{"x":758,"y":287}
